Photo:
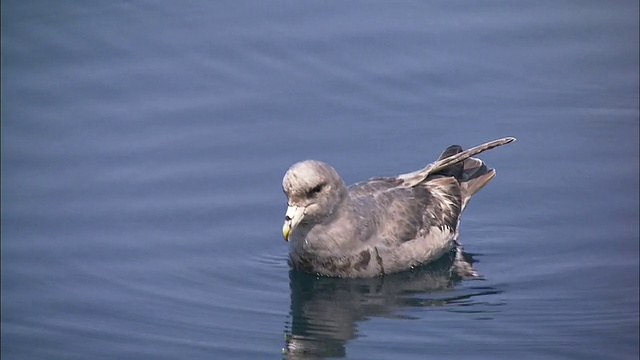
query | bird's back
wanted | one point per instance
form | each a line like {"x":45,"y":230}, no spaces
{"x":401,"y":213}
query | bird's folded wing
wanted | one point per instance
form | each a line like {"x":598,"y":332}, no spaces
{"x":416,"y":177}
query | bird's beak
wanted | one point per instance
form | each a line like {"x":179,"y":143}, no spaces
{"x":292,"y":218}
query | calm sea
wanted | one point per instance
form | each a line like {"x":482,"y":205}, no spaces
{"x":144,"y":143}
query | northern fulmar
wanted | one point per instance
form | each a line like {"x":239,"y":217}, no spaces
{"x":382,"y":225}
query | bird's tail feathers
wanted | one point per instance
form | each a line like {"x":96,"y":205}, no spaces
{"x":472,"y":173}
{"x":474,"y":184}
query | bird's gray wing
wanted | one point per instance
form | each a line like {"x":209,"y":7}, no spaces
{"x":399,"y":213}
{"x":373,"y":186}
{"x":417,"y":177}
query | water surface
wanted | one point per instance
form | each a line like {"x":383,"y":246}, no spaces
{"x":143,"y":146}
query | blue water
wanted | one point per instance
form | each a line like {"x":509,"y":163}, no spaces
{"x":144,"y":143}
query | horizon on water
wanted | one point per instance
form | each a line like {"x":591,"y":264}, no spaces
{"x":144,"y":146}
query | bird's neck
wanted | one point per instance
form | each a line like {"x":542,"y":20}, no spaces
{"x":334,"y":234}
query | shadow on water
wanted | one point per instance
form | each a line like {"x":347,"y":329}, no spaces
{"x":325,"y":312}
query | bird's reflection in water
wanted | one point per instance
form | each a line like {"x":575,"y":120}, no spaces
{"x":325,"y":312}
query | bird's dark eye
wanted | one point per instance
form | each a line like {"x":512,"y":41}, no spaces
{"x":316,"y":190}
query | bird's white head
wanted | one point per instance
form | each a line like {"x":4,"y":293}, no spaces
{"x":314,"y":190}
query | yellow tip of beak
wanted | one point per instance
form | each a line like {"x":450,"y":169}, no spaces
{"x":286,"y":230}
